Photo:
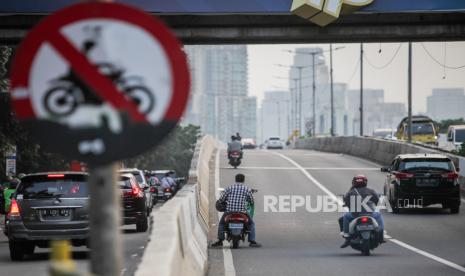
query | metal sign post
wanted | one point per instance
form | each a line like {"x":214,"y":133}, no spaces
{"x":100,"y":82}
{"x":105,"y":221}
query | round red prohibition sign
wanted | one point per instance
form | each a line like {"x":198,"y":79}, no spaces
{"x":99,"y":82}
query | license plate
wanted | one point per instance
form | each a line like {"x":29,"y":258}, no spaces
{"x":427,"y":182}
{"x":365,"y":227}
{"x":160,"y":193}
{"x":236,"y":226}
{"x":167,"y":194}
{"x":56,"y":212}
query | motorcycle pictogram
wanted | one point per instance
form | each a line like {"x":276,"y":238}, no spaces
{"x":69,"y":91}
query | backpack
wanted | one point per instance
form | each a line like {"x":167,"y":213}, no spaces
{"x":220,"y":206}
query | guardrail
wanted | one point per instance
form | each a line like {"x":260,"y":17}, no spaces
{"x":178,"y":241}
{"x":378,"y":150}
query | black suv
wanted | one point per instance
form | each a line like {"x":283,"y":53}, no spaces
{"x":48,"y":206}
{"x":134,"y":202}
{"x":422,"y":179}
{"x":143,"y":185}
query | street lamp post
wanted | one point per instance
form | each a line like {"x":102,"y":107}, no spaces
{"x":279,"y":117}
{"x":313,"y":54}
{"x":298,"y":96}
{"x":332,"y":90}
{"x":361,"y":89}
{"x":409,"y":132}
{"x":313,"y":96}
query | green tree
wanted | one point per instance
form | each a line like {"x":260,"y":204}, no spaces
{"x":30,"y":156}
{"x":444,"y":124}
{"x":174,"y":152}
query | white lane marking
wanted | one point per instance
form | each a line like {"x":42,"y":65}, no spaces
{"x":229,"y":269}
{"x":306,"y":168}
{"x":426,"y":254}
{"x":264,"y":168}
{"x":398,"y":242}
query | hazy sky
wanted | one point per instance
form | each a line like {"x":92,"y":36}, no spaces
{"x":393,"y":79}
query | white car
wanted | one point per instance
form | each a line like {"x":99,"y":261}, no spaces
{"x":274,"y":143}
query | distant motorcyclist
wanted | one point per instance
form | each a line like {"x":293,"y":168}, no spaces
{"x":238,"y":137}
{"x":357,"y":193}
{"x":168,"y":182}
{"x":234,"y":145}
{"x":237,"y":198}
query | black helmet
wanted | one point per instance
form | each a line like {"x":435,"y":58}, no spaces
{"x":359,"y":181}
{"x":240,"y":178}
{"x":233,"y":137}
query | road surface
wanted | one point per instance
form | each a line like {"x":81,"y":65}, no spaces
{"x":38,"y":264}
{"x":424,"y":242}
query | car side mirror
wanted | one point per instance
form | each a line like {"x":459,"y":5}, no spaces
{"x":385,"y":169}
{"x":457,"y":169}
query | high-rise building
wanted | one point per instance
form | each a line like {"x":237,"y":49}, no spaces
{"x":249,"y":118}
{"x":446,"y":103}
{"x":376,"y":112}
{"x":274,"y":115}
{"x":219,"y":90}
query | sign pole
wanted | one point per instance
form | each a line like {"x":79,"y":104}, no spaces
{"x":105,"y":221}
{"x":105,"y":218}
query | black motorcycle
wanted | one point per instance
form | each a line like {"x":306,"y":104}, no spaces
{"x":69,"y":91}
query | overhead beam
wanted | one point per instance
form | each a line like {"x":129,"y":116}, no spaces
{"x":273,"y":29}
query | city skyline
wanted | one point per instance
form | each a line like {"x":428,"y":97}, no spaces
{"x":427,"y":74}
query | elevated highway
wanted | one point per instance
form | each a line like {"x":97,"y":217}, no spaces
{"x":427,"y":241}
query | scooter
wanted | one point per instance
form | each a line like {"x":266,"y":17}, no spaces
{"x":235,"y":159}
{"x":364,"y":234}
{"x":237,"y":225}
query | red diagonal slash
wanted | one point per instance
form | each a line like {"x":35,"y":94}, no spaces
{"x":101,"y":85}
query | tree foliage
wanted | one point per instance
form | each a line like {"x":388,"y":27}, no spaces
{"x":30,"y":157}
{"x":444,"y":124}
{"x":174,"y":153}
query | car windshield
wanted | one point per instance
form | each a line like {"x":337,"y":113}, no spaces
{"x":44,"y":187}
{"x":422,"y":128}
{"x":426,"y":164}
{"x":274,"y":139}
{"x":460,"y":135}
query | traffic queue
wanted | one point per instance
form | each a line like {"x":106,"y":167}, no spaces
{"x":43,"y":206}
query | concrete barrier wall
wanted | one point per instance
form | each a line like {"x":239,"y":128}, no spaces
{"x":200,"y":173}
{"x":378,"y":150}
{"x":178,"y":241}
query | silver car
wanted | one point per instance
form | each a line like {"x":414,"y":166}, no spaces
{"x":48,"y":206}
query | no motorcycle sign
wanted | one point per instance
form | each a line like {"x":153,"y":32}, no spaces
{"x":99,"y":82}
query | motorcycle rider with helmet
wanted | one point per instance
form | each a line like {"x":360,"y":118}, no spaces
{"x":234,"y":145}
{"x":359,"y":189}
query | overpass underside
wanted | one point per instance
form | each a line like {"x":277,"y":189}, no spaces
{"x":286,"y":28}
